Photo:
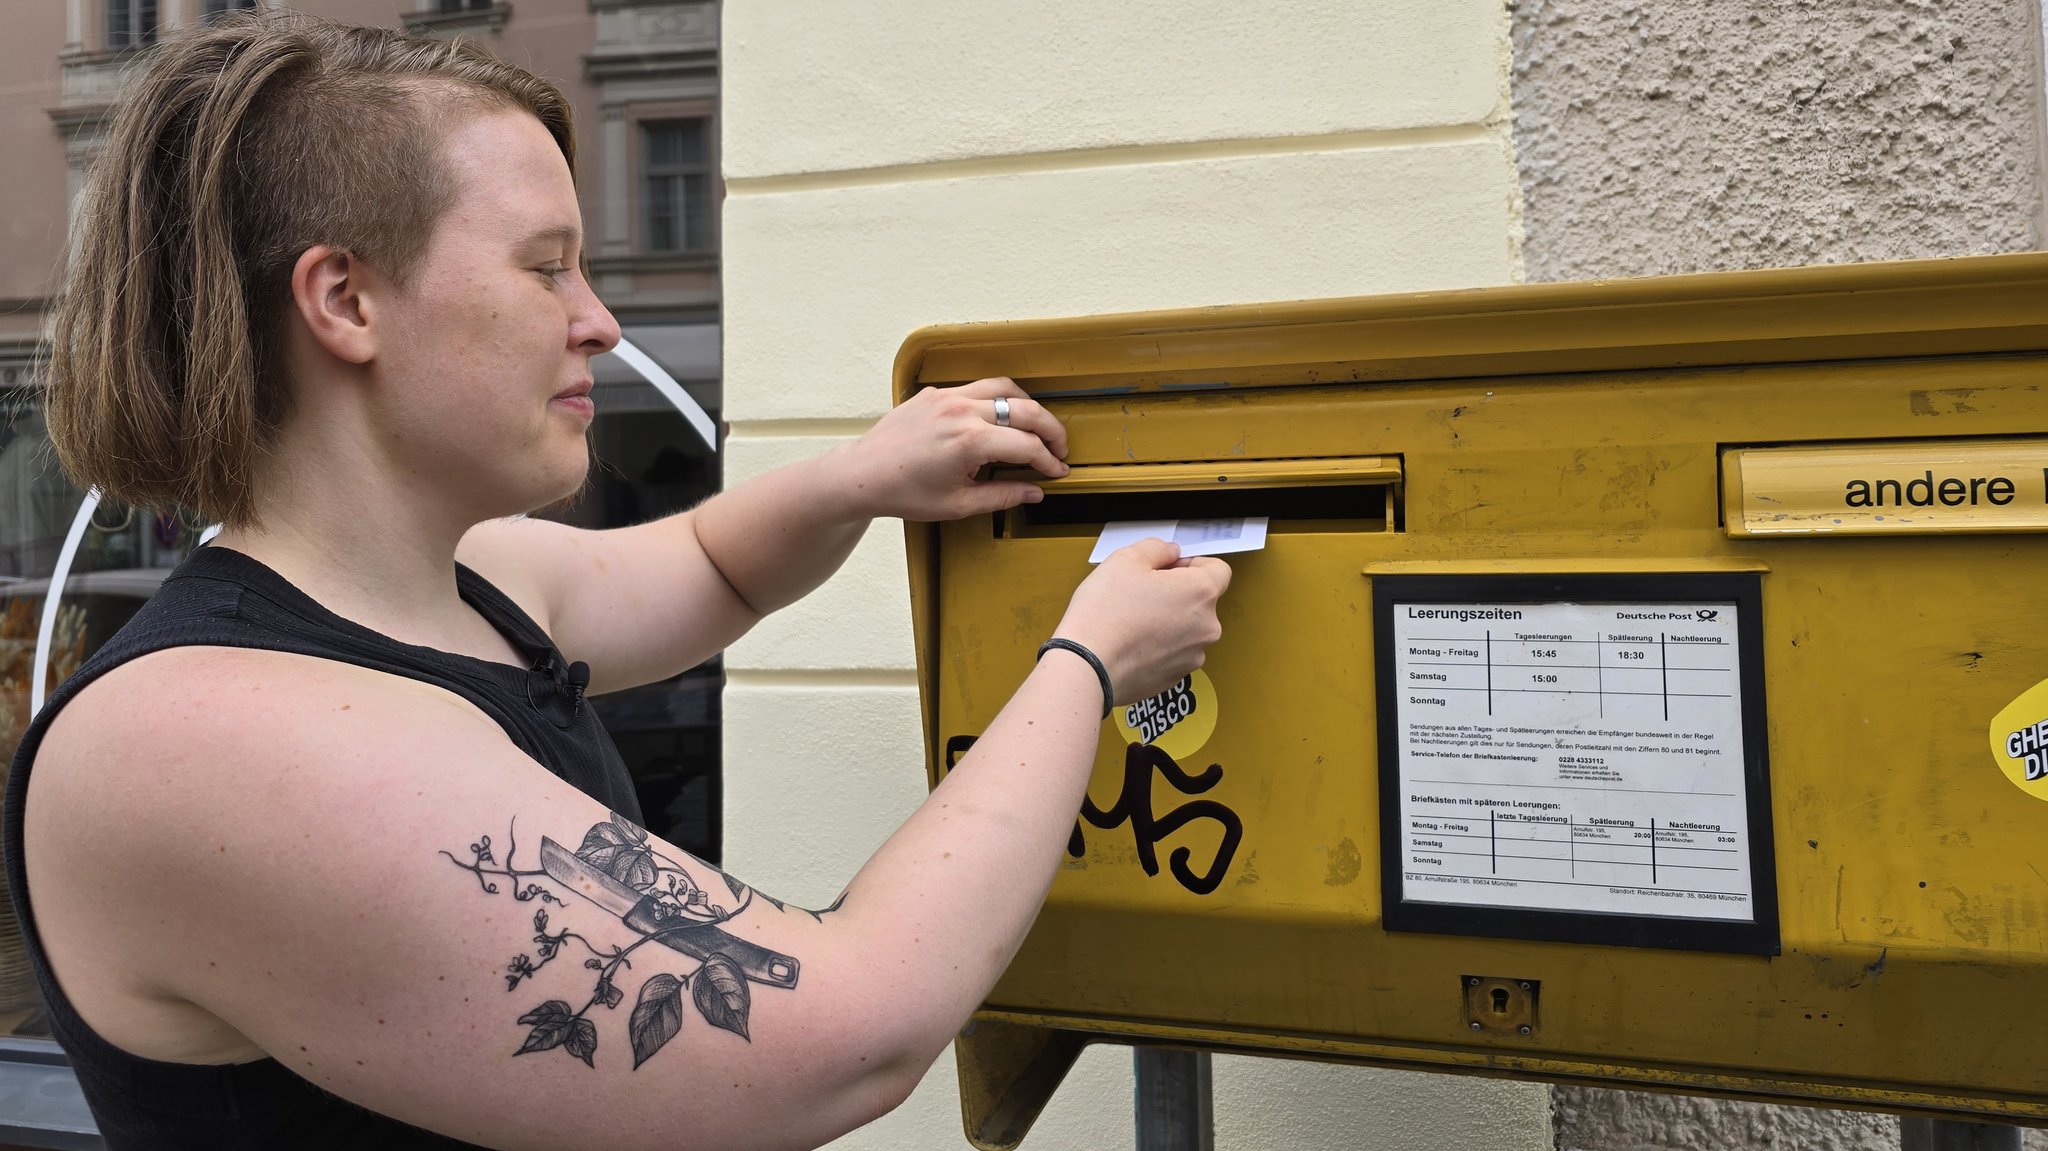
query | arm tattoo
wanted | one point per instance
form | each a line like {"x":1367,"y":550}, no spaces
{"x":658,"y":900}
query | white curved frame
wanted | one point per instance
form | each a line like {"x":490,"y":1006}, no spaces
{"x":693,"y":412}
{"x":39,"y":676}
{"x":39,"y":682}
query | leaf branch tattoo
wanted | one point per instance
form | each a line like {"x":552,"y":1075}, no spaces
{"x":481,"y":854}
{"x":662,"y":900}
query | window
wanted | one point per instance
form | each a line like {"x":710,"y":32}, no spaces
{"x":651,"y":462}
{"x":676,"y":211}
{"x":222,"y":7}
{"x":460,"y":5}
{"x":130,"y":24}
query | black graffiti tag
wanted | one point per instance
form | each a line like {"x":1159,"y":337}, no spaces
{"x":1134,"y":805}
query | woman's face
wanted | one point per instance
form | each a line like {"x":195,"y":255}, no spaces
{"x":483,"y":361}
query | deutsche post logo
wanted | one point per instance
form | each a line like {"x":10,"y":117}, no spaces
{"x":2019,"y":741}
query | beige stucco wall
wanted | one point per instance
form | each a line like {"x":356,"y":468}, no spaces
{"x":891,"y":166}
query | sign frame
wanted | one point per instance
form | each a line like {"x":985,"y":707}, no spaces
{"x":1758,"y":936}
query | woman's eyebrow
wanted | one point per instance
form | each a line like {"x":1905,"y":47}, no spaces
{"x":562,"y":234}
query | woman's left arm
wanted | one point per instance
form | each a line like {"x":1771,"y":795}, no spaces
{"x":642,"y":603}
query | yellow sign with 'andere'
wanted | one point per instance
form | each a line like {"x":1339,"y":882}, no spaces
{"x":1873,"y":489}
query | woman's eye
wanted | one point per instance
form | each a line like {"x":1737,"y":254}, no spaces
{"x":553,"y":271}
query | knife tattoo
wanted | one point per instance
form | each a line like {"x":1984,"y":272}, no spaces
{"x":619,"y":871}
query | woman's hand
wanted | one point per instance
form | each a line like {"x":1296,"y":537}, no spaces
{"x":1148,"y":615}
{"x":925,"y":460}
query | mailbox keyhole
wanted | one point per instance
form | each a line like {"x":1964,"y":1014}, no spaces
{"x":1500,"y":1001}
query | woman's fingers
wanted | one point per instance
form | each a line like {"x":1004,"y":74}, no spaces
{"x":1028,"y":415}
{"x":1020,"y":448}
{"x":1025,"y":413}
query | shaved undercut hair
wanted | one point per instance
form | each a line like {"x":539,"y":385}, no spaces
{"x":234,"y":149}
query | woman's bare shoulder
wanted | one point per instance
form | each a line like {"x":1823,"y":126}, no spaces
{"x":218,"y":705}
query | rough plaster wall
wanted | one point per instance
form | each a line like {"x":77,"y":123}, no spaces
{"x":1656,"y":137}
{"x":2041,"y":114}
{"x":1639,"y":1121}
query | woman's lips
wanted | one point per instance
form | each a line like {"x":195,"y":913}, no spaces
{"x":575,"y":398}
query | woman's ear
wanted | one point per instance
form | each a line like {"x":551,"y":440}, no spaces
{"x":329,"y":296}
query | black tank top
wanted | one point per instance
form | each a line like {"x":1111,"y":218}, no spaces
{"x":221,"y":598}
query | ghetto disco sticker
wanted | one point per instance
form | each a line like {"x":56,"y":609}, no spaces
{"x":1177,"y":721}
{"x":2019,"y":741}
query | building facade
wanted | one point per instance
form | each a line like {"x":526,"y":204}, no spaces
{"x":642,"y":77}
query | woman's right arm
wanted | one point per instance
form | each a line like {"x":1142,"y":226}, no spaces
{"x":298,"y":848}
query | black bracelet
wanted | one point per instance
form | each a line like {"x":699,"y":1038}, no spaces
{"x":1101,"y":672}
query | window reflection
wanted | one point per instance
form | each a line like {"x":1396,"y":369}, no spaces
{"x":648,"y":462}
{"x":122,"y":558}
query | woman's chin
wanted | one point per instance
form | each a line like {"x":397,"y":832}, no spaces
{"x":568,"y":493}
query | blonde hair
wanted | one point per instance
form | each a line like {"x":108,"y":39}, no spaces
{"x":235,"y":149}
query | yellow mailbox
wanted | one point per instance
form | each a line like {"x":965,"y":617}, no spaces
{"x":1641,"y":683}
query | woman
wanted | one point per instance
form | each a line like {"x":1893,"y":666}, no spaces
{"x":273,"y":843}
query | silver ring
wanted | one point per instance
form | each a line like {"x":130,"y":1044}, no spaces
{"x":1002,"y":411}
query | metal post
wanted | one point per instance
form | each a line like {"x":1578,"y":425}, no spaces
{"x":1954,"y":1135}
{"x":1174,"y":1102}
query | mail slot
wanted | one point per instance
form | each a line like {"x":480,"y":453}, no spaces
{"x":1354,"y":494}
{"x":1558,"y":731}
